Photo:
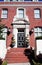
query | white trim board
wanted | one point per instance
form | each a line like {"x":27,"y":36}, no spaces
{"x":21,"y":5}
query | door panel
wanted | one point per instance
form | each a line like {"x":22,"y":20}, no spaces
{"x":20,"y":38}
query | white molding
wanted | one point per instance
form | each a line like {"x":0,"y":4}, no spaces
{"x":17,"y":19}
{"x":21,"y":5}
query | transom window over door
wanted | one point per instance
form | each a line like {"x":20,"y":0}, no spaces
{"x":21,"y":13}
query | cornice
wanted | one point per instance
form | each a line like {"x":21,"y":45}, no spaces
{"x":20,"y":4}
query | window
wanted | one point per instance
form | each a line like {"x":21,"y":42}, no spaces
{"x":17,"y":0}
{"x":36,"y":13}
{"x":4,"y":13}
{"x":11,"y":0}
{"x":21,"y":13}
{"x":27,"y":0}
{"x":38,"y":31}
{"x":20,"y":0}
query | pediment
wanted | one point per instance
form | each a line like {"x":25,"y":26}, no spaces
{"x":20,"y":21}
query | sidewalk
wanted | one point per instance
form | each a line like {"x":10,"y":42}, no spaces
{"x":19,"y":64}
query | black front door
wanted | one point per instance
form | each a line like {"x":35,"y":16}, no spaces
{"x":20,"y":38}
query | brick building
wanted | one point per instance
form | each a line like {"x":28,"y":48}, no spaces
{"x":23,"y":23}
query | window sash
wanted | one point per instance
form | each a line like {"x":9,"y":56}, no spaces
{"x":21,"y":13}
{"x":38,"y":32}
{"x":36,"y":13}
{"x":4,"y":14}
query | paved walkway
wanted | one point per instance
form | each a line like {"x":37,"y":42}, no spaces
{"x":19,"y":64}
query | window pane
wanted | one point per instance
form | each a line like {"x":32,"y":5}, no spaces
{"x":4,"y":13}
{"x":40,"y":29}
{"x":39,"y":34}
{"x":36,"y":29}
{"x":21,"y":10}
{"x":37,"y":16}
{"x":20,"y":16}
{"x":36,"y":34}
{"x":4,"y":16}
{"x":36,"y":13}
{"x":21,"y":13}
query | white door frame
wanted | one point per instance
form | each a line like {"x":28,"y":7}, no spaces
{"x":15,"y":31}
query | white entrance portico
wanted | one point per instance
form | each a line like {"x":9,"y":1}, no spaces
{"x":20,"y":31}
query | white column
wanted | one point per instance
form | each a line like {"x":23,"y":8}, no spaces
{"x":15,"y":31}
{"x":27,"y":30}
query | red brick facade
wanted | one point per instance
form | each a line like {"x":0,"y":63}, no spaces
{"x":29,"y":6}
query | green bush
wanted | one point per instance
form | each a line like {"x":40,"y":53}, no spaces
{"x":4,"y":63}
{"x":1,"y":31}
{"x":39,"y":37}
{"x":36,"y":63}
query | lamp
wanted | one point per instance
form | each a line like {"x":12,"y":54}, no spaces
{"x":31,"y":31}
{"x":8,"y":31}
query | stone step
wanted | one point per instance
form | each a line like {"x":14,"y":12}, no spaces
{"x":16,"y":55}
{"x":16,"y":60}
{"x":16,"y":50}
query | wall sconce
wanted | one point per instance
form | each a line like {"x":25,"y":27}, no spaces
{"x":8,"y":31}
{"x":31,"y":31}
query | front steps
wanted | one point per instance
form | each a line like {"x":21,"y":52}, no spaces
{"x":16,"y":55}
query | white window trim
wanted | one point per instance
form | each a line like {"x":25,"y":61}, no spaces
{"x":16,"y":16}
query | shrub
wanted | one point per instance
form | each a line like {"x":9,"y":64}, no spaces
{"x":4,"y":63}
{"x":1,"y":31}
{"x":39,"y":37}
{"x":36,"y":63}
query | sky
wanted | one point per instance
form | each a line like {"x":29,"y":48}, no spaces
{"x":1,"y":0}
